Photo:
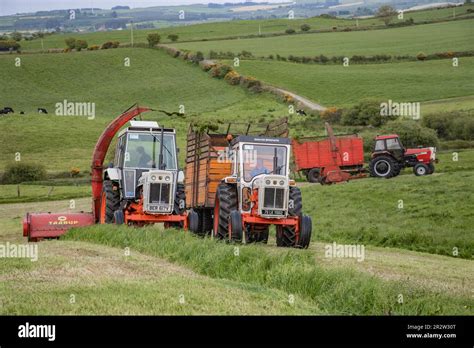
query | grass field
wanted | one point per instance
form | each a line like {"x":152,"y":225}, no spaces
{"x":154,"y":79}
{"x":343,"y":86}
{"x":37,"y":193}
{"x":429,"y":38}
{"x":215,"y":30}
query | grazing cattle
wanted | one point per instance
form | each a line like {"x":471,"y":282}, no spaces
{"x":8,"y":110}
{"x":22,"y":112}
{"x":42,"y":111}
{"x":301,"y":112}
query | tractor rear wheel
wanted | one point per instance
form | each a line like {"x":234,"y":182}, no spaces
{"x":225,"y":203}
{"x":286,"y":235}
{"x":313,"y":175}
{"x":383,"y":167}
{"x":421,"y":169}
{"x":110,"y":202}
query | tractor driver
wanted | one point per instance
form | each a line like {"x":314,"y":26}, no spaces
{"x":145,"y":160}
{"x":259,"y":169}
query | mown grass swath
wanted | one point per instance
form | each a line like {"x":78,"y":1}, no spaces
{"x":294,"y":271}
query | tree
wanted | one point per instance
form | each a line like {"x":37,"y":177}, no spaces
{"x":70,"y":42}
{"x":305,"y":27}
{"x":153,"y":39}
{"x":386,"y":13}
{"x":16,"y":36}
{"x":173,"y":37}
{"x":290,"y":31}
{"x":80,"y":44}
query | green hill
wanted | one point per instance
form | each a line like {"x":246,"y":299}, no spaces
{"x":153,"y":79}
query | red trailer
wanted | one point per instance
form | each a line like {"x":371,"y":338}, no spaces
{"x":333,"y":159}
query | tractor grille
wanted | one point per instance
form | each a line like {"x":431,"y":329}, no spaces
{"x":160,"y":193}
{"x":274,"y":198}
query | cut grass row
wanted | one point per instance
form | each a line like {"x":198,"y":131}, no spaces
{"x":336,"y":291}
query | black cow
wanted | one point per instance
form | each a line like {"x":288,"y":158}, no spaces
{"x":8,"y":109}
{"x":42,"y":111}
{"x":22,"y":112}
{"x":301,"y":112}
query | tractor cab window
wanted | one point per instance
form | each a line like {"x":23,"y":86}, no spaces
{"x":263,"y":159}
{"x":393,"y":144}
{"x":143,"y":151}
{"x":380,"y":145}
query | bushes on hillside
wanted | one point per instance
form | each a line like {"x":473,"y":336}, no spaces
{"x":232,"y":77}
{"x":251,"y":83}
{"x":451,"y":125}
{"x":331,"y":115}
{"x":70,"y":43}
{"x":18,"y":172}
{"x":93,"y":48}
{"x":6,"y":45}
{"x":305,"y":27}
{"x":110,"y":44}
{"x":220,"y":70}
{"x":365,"y":113}
{"x":421,"y":56}
{"x":81,"y":44}
{"x":153,"y":39}
{"x":290,"y":31}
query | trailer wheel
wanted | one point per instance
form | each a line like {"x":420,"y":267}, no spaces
{"x":313,"y":175}
{"x":421,"y":169}
{"x":194,"y":220}
{"x":306,"y":226}
{"x":110,"y":202}
{"x":383,"y":167}
{"x":235,"y":227}
{"x":207,"y":221}
{"x":226,"y":201}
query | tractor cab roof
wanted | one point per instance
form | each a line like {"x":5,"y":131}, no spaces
{"x":260,"y":139}
{"x":145,"y":126}
{"x":383,"y":137}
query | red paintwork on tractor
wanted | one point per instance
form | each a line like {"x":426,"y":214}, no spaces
{"x":422,"y":154}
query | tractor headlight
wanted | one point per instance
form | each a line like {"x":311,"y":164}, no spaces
{"x":282,"y":182}
{"x":153,"y":177}
{"x":167,"y":178}
{"x":268,"y":182}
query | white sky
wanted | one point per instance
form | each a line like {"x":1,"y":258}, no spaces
{"x":8,"y":7}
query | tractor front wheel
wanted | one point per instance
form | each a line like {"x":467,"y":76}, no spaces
{"x":225,"y":203}
{"x":110,"y":202}
{"x":306,"y":226}
{"x":235,"y":227}
{"x":421,"y":169}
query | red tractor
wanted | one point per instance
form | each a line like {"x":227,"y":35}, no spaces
{"x":390,"y":157}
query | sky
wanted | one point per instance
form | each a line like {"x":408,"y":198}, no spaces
{"x":8,"y":7}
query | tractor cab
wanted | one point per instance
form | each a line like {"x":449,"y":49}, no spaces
{"x":260,"y":169}
{"x":389,"y":143}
